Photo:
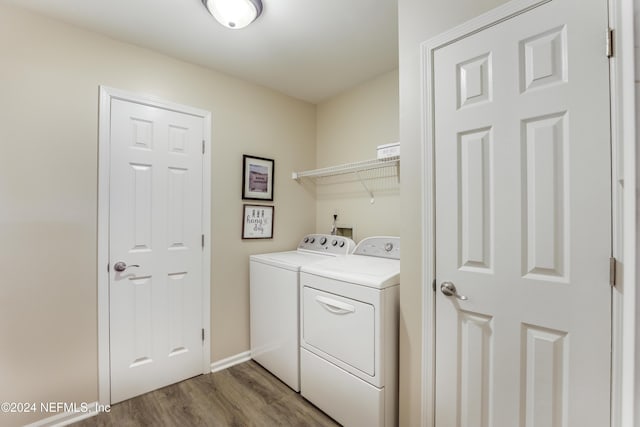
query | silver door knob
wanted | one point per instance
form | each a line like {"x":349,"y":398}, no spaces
{"x":122,"y":266}
{"x":449,"y":289}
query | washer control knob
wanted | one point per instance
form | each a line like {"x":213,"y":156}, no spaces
{"x":306,"y":240}
{"x":323,"y":240}
{"x":334,"y":242}
{"x":311,"y":240}
{"x":388,"y":247}
{"x":341,"y":244}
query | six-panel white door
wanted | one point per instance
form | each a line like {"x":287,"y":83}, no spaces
{"x":155,"y":228}
{"x":522,"y":211}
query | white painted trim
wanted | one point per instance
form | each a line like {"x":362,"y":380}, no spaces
{"x":230,"y":361}
{"x":106,"y":95}
{"x":479,"y":23}
{"x":623,"y":379}
{"x":208,"y":240}
{"x":428,"y":242}
{"x":104,"y":136}
{"x":623,"y":133}
{"x":66,"y":418}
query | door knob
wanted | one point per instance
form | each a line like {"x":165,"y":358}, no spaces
{"x":122,"y":266}
{"x":449,"y":289}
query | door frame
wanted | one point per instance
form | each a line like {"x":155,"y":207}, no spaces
{"x":623,"y":140}
{"x":107,"y":94}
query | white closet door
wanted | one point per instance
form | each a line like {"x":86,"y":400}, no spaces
{"x":522,"y":170}
{"x":156,"y":226}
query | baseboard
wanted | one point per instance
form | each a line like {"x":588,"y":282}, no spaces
{"x":230,"y":361}
{"x":85,"y":410}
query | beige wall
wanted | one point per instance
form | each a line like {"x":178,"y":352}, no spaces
{"x":49,"y":78}
{"x":349,"y":128}
{"x":419,"y":20}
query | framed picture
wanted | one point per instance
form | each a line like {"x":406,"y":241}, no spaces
{"x":257,"y":178}
{"x":257,"y":222}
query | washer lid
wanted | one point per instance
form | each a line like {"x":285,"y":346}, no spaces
{"x":358,"y":269}
{"x":291,"y":260}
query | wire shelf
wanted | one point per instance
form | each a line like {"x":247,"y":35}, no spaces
{"x":355,"y":167}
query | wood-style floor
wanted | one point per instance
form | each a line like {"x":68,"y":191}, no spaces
{"x":241,"y":396}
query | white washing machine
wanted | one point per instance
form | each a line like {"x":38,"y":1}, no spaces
{"x":349,"y":334}
{"x":274,"y":302}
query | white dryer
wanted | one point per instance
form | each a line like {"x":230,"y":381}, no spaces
{"x":349,"y":334}
{"x":274,"y":302}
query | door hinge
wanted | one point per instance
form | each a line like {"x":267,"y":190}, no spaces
{"x":202,"y":334}
{"x":609,"y":41}
{"x":612,"y":272}
{"x":202,"y":241}
{"x":203,"y":146}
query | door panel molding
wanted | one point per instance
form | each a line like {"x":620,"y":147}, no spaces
{"x":428,"y":49}
{"x":107,"y":94}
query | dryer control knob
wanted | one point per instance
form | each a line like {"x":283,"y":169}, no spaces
{"x":388,"y":247}
{"x":342,"y":244}
{"x":313,"y":239}
{"x":334,"y":242}
{"x":306,"y":240}
{"x":323,"y":240}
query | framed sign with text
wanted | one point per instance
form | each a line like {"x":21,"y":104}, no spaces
{"x":257,"y":222}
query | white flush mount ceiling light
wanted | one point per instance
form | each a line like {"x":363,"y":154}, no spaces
{"x":234,"y":14}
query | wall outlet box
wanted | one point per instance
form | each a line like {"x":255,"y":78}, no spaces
{"x":388,"y":150}
{"x":345,"y":231}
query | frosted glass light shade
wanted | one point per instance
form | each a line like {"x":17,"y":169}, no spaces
{"x":234,"y":14}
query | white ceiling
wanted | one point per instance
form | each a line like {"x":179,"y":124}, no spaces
{"x":307,"y":49}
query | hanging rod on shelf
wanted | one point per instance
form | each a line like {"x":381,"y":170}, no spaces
{"x":348,"y":168}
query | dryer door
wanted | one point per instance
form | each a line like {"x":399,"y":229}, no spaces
{"x":340,"y":327}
